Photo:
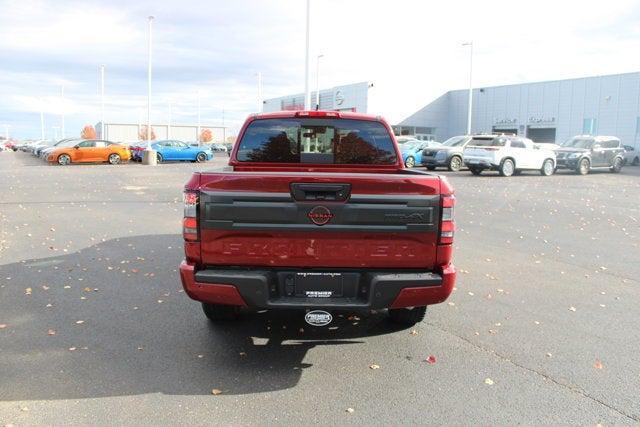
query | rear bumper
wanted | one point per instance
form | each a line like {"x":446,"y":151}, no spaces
{"x":479,"y":163}
{"x":266,"y":289}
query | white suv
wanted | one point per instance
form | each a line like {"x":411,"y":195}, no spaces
{"x":508,"y":155}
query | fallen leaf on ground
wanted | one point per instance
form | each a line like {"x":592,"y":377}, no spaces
{"x":572,"y":309}
{"x":350,"y":410}
{"x":3,"y":325}
{"x":51,"y":332}
{"x":216,"y":392}
{"x":27,"y":291}
{"x":598,"y":364}
{"x":413,"y":332}
{"x":488,"y":381}
{"x":431,"y":359}
{"x":374,"y":366}
{"x":79,"y":322}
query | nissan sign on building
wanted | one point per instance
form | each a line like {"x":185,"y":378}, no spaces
{"x":353,"y":97}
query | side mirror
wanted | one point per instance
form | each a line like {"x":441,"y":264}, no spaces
{"x":76,"y":146}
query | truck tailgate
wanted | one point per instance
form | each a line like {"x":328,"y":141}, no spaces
{"x":272,"y":219}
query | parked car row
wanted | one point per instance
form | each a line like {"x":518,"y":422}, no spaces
{"x":78,"y":150}
{"x":173,"y":150}
{"x":511,"y":154}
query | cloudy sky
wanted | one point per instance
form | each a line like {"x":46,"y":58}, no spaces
{"x":410,"y":50}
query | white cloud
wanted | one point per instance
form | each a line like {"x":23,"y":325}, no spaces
{"x":409,"y":49}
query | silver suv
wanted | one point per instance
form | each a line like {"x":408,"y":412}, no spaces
{"x":449,"y":154}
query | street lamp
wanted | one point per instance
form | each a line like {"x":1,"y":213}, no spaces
{"x":41,"y":120}
{"x":169,"y":125}
{"x":149,"y":156}
{"x":102,"y":135}
{"x":318,"y":81}
{"x":307,"y":94}
{"x":198,"y":132}
{"x":260,"y":102}
{"x":62,"y":108}
{"x":470,"y":44}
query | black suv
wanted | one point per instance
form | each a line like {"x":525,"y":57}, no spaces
{"x":583,"y":153}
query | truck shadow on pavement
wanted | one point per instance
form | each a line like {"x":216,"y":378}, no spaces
{"x":112,"y":320}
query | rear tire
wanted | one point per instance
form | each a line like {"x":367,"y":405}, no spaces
{"x":410,"y":162}
{"x":476,"y":171}
{"x":406,"y":316}
{"x":636,"y":161}
{"x":159,"y":158}
{"x":455,"y":164}
{"x":218,"y":312}
{"x":507,"y":167}
{"x":617,"y":165}
{"x":201,"y":157}
{"x":583,"y":167}
{"x":547,"y":168}
{"x":431,"y":168}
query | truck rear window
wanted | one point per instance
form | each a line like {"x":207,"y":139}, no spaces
{"x":313,"y":140}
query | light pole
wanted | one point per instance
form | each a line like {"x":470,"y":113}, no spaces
{"x":169,"y":125}
{"x":318,"y":81}
{"x":41,"y":120}
{"x":102,"y":135}
{"x":62,"y":109}
{"x":149,"y":155}
{"x":198,"y":132}
{"x":307,"y":94}
{"x":470,"y":44}
{"x":260,"y":102}
{"x":224,"y":129}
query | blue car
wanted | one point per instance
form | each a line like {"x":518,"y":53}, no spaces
{"x":412,"y":151}
{"x":171,"y":150}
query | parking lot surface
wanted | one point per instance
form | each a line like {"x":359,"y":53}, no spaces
{"x":94,"y":327}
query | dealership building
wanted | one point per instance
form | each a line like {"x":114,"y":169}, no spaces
{"x":352,"y":97}
{"x":551,"y":111}
{"x":129,"y":132}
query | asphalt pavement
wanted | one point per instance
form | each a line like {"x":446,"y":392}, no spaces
{"x":95,"y":329}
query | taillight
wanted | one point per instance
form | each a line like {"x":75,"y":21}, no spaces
{"x":447,"y":223}
{"x":190,"y":222}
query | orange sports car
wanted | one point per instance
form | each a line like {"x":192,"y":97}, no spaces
{"x":90,"y":151}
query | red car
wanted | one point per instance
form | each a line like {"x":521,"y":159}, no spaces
{"x":317,"y":213}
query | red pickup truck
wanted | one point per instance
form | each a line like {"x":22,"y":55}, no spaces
{"x":317,"y":213}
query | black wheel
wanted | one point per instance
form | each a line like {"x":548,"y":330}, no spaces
{"x":583,"y":167}
{"x":407,"y":316}
{"x":431,"y":168}
{"x":218,"y":312}
{"x":159,"y":157}
{"x":455,"y":164}
{"x":547,"y":168}
{"x":476,"y":171}
{"x":410,"y":162}
{"x":114,"y":158}
{"x":64,"y":159}
{"x":617,"y":165}
{"x":201,"y":157}
{"x":636,"y":161}
{"x":507,"y":167}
